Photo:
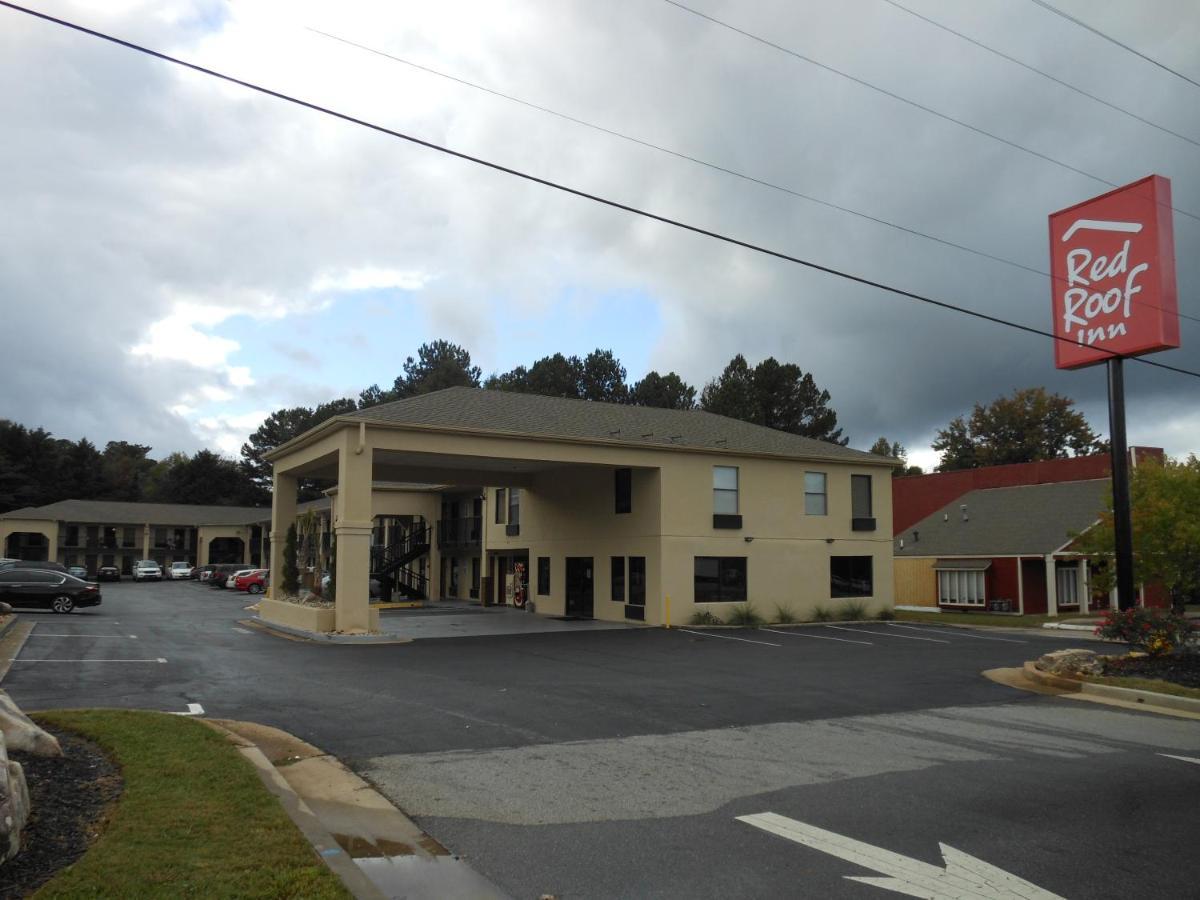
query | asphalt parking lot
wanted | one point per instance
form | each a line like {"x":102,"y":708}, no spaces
{"x":640,"y":762}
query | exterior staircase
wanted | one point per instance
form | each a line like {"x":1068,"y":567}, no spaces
{"x":391,"y":563}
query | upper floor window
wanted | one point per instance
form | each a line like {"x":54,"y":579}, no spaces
{"x":860,"y":496}
{"x":725,"y":490}
{"x":623,"y":490}
{"x":501,"y":505}
{"x":815,"y":500}
{"x":514,"y":506}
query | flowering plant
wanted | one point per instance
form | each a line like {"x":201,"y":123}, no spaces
{"x":1156,"y":633}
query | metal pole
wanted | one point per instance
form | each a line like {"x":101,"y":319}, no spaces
{"x":1122,"y":523}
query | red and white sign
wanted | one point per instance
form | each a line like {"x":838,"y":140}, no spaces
{"x":1112,"y":262}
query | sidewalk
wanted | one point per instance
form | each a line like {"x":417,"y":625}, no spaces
{"x":374,"y":848}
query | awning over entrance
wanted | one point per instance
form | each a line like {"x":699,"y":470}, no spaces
{"x":962,"y":565}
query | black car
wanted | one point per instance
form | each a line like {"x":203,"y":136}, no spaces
{"x":32,"y":564}
{"x":46,"y":589}
{"x":108,"y":573}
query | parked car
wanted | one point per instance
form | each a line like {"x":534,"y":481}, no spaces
{"x":231,"y":581}
{"x":254,"y":583}
{"x":220,"y":574}
{"x":180,"y":569}
{"x":31,"y":564}
{"x":108,"y":573}
{"x":78,"y":571}
{"x":147,"y":570}
{"x":46,"y":589}
{"x":375,"y":587}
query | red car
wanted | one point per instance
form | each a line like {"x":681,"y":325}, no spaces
{"x":254,"y":583}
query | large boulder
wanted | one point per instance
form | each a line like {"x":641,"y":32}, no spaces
{"x":1071,"y":662}
{"x":14,"y":805}
{"x":22,"y":733}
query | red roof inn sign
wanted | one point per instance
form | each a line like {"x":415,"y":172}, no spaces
{"x":1112,"y":262}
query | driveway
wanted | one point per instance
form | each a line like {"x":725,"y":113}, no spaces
{"x":641,"y":762}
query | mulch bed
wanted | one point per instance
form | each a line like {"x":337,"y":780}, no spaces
{"x":1183,"y":669}
{"x":68,"y":799}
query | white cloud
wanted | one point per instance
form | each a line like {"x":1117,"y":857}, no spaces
{"x":370,"y":278}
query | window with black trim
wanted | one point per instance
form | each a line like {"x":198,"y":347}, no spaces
{"x":623,"y":490}
{"x":501,"y":505}
{"x":851,"y":576}
{"x":720,"y":579}
{"x":543,"y":576}
{"x":618,"y":579}
{"x":816,"y":502}
{"x":725,"y":490}
{"x":860,"y":496}
{"x":637,"y":581}
{"x":514,"y":506}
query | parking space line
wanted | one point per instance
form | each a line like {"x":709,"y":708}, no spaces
{"x":158,"y":660}
{"x":903,"y":637}
{"x":936,"y":629}
{"x":1181,"y":758}
{"x":132,"y":637}
{"x":242,"y":630}
{"x":726,"y":637}
{"x":817,"y":637}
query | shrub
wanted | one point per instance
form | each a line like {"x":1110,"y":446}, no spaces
{"x":1156,"y":633}
{"x":745,"y":616}
{"x":885,"y":615}
{"x":822,"y":614}
{"x":704,"y":617}
{"x":853,"y":612}
{"x":291,"y":572}
{"x":784,"y":616}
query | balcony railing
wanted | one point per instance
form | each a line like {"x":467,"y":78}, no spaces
{"x":463,"y":533}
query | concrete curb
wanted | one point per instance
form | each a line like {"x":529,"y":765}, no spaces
{"x":12,"y":642}
{"x":1150,"y":699}
{"x":674,"y":627}
{"x":317,"y":637}
{"x":1067,"y":626}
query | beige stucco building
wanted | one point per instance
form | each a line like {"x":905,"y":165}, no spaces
{"x":592,"y":509}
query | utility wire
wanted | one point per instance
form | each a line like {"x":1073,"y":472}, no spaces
{"x":893,"y":95}
{"x":566,"y":189}
{"x":1047,"y":75}
{"x":695,"y":159}
{"x":1112,"y":40}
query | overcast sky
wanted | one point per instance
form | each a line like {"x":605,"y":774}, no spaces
{"x":179,"y":257}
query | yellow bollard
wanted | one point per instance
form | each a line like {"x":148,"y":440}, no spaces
{"x":667,"y":613}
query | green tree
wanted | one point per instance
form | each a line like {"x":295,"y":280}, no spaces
{"x":439,"y":364}
{"x":894,"y":449}
{"x":291,"y":570}
{"x":602,"y":377}
{"x":125,"y":467}
{"x":278,"y":428}
{"x":556,"y":376}
{"x":1166,"y":531}
{"x":208,"y":479}
{"x":1030,"y":425}
{"x":778,"y":395}
{"x":663,"y":391}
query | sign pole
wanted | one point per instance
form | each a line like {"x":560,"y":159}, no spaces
{"x":1122,"y":519}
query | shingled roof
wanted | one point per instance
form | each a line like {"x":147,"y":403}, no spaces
{"x":1033,"y":519}
{"x":114,"y":512}
{"x":642,"y":426}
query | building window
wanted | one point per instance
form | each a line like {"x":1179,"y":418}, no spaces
{"x":815,"y":502}
{"x":962,"y":588}
{"x":128,"y":538}
{"x":618,"y":579}
{"x":72,"y":535}
{"x":623,"y":489}
{"x":725,"y":490}
{"x":860,"y":496}
{"x":720,"y":579}
{"x":637,"y":581}
{"x":543,"y":578}
{"x":474,"y":576}
{"x":1066,"y":579}
{"x":514,"y":506}
{"x":850,"y":576}
{"x":501,"y":505}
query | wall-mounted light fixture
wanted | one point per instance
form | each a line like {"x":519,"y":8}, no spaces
{"x":747,"y":539}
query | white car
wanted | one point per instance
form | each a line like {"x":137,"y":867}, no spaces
{"x":181,"y":569}
{"x":231,"y":581}
{"x":147,"y":570}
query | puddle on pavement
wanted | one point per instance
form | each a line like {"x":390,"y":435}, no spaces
{"x":361,"y":848}
{"x":420,"y":877}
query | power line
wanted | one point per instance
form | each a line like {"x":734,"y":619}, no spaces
{"x":1055,"y":79}
{"x":693,"y":159}
{"x":1112,"y":40}
{"x":901,"y":98}
{"x":566,"y":189}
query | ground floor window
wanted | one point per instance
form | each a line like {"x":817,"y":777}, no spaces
{"x":962,"y":588}
{"x":637,"y":581}
{"x":720,"y":579}
{"x":475,"y":577}
{"x":1067,"y":581}
{"x":543,"y":576}
{"x":851,"y":576}
{"x":618,"y":579}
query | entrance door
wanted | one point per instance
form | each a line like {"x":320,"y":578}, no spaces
{"x":579,"y":586}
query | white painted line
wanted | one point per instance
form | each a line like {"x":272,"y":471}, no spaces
{"x":1190,"y":759}
{"x":726,"y":637}
{"x":46,"y":634}
{"x":963,"y":876}
{"x":818,"y":637}
{"x":1101,"y":225}
{"x":158,"y":660}
{"x":936,"y":630}
{"x":903,"y":637}
{"x":194,"y":709}
{"x":242,"y":630}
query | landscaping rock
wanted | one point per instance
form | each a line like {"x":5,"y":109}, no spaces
{"x":14,"y":805}
{"x":1071,"y":662}
{"x":5,"y":608}
{"x":22,"y":733}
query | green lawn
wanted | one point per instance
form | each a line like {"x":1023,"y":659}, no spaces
{"x":194,"y":819}
{"x":957,"y":618}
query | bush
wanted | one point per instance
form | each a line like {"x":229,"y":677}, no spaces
{"x":784,"y":616}
{"x":745,"y":616}
{"x":1155,"y":633}
{"x":886,"y":615}
{"x":822,"y":614}
{"x":853,"y":612}
{"x":291,"y":572}
{"x":704,"y":617}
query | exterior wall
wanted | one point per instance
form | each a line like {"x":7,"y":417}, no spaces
{"x":47,"y":528}
{"x":916,"y":582}
{"x":1002,"y":581}
{"x":207,"y":533}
